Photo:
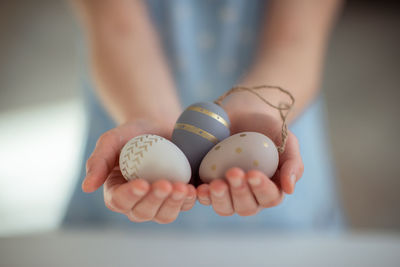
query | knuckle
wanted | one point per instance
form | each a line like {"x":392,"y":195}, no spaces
{"x":215,"y":184}
{"x":191,"y":189}
{"x":200,"y":189}
{"x":105,"y":137}
{"x":90,"y":162}
{"x":174,"y":204}
{"x":241,"y":193}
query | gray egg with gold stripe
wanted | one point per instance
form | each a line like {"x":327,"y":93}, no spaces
{"x":198,"y":129}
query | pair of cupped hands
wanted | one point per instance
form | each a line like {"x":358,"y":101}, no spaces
{"x":244,"y":193}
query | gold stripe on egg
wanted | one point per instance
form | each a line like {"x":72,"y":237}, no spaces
{"x":196,"y":130}
{"x":209,"y":113}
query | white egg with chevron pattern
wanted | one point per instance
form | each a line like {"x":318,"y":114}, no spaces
{"x":152,"y":158}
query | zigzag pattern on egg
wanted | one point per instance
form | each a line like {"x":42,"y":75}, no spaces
{"x":133,"y":154}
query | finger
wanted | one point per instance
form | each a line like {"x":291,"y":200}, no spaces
{"x":190,"y":199}
{"x":147,"y":208}
{"x":121,"y":196}
{"x":203,"y":194}
{"x":171,"y":207}
{"x":220,"y":198}
{"x":242,"y":197}
{"x":291,"y":165}
{"x":264,"y":189}
{"x":103,"y":159}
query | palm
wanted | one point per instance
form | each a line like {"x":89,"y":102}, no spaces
{"x":271,"y":127}
{"x":257,"y":122}
{"x":161,"y":201}
{"x":246,"y":193}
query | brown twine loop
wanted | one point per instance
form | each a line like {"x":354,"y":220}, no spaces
{"x":282,"y":107}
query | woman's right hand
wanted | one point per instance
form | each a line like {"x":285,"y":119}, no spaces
{"x":140,"y":201}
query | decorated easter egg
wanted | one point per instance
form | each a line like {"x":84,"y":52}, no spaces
{"x":152,"y":157}
{"x":247,"y":150}
{"x":198,"y":129}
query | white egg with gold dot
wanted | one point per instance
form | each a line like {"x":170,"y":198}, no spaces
{"x":152,"y":158}
{"x":246,"y":150}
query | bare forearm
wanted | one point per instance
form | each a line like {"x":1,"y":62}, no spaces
{"x":128,"y":66}
{"x":292,"y":48}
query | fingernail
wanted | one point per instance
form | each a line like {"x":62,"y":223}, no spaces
{"x":218,"y":194}
{"x":160,"y":194}
{"x":177,"y":195}
{"x":235,"y":181}
{"x":84,"y":183}
{"x":138,"y":192}
{"x":293,"y":179}
{"x":205,"y":200}
{"x":254,"y":181}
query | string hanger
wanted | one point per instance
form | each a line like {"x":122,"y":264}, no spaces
{"x":283,"y":108}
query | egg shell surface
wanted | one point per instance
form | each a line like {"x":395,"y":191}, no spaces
{"x":246,"y":150}
{"x":198,"y":129}
{"x":152,"y":158}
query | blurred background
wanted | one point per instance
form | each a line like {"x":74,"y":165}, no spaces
{"x":42,"y":120}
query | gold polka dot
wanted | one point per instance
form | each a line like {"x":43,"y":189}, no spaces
{"x":242,"y":135}
{"x":217,"y":147}
{"x":213,"y":167}
{"x":238,"y":150}
{"x":265,"y":144}
{"x":255,"y":163}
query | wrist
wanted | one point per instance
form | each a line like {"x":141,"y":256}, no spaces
{"x":151,"y":125}
{"x":165,"y":120}
{"x":302,"y":83}
{"x":245,"y":103}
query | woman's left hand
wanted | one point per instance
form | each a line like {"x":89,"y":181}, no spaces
{"x":246,"y":193}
